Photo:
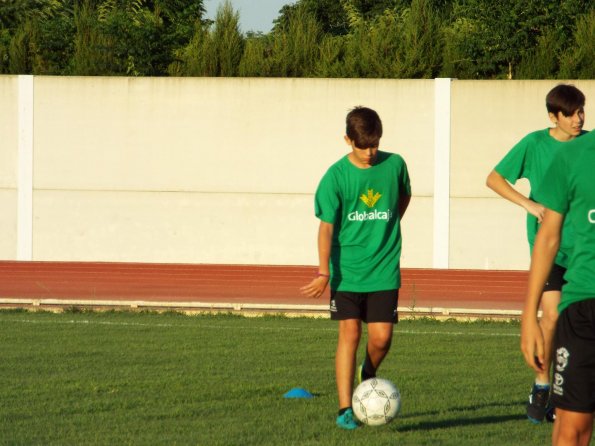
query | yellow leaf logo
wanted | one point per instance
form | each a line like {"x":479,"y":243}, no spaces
{"x":370,"y":199}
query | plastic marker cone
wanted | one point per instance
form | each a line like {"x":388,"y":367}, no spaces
{"x":298,"y":392}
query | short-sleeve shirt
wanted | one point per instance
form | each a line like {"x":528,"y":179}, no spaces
{"x":362,"y":205}
{"x":570,"y":190}
{"x":530,"y":158}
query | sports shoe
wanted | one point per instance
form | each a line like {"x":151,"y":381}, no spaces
{"x":347,"y":420}
{"x":360,"y":373}
{"x":537,"y":406}
{"x":550,"y":414}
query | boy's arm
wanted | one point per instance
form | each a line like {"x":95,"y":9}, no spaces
{"x":498,"y":184}
{"x":317,"y":286}
{"x":546,"y":246}
{"x":403,"y":204}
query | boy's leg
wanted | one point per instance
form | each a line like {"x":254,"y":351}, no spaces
{"x":349,"y":335}
{"x":380,"y":335}
{"x":381,"y":315}
{"x":549,"y":308}
{"x":573,"y":388}
{"x":572,"y":428}
{"x":538,"y":406}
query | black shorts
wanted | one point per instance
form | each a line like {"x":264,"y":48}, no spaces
{"x":573,"y":386}
{"x":376,"y":306}
{"x":555,"y":280}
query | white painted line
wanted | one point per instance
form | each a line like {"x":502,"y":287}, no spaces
{"x":25,"y":169}
{"x":251,"y":327}
{"x":433,"y":311}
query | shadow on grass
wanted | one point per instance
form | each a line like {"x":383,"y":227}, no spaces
{"x":462,"y":421}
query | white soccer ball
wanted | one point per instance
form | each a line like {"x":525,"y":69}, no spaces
{"x":376,"y":401}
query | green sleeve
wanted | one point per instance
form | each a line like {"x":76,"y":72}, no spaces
{"x":516,"y":163}
{"x":327,"y":202}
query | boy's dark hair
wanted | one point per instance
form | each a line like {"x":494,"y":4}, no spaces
{"x":364,"y":127}
{"x":564,"y":98}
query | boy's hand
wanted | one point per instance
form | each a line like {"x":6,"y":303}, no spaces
{"x":535,"y":209}
{"x":316,"y":288}
{"x":532,"y":344}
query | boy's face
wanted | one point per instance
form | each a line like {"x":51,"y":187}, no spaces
{"x":568,"y":127}
{"x":362,"y":158}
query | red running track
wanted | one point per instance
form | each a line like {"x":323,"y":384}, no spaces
{"x":244,"y":284}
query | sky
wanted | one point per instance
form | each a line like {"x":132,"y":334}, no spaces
{"x":255,"y":15}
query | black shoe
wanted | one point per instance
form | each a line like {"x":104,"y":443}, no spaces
{"x":550,"y":414}
{"x":537,"y":406}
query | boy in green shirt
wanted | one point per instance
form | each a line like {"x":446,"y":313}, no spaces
{"x":569,"y":195}
{"x":360,"y":202}
{"x":530,"y":158}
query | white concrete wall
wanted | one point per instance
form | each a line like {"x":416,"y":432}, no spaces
{"x":8,"y":166}
{"x":205,"y":170}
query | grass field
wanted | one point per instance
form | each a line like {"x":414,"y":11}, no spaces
{"x":114,"y":378}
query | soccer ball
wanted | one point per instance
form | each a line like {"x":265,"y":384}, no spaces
{"x":376,"y":401}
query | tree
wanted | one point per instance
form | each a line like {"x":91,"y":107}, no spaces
{"x":134,"y":37}
{"x":332,"y":14}
{"x":489,"y":39}
{"x":541,"y":61}
{"x":215,"y":49}
{"x":35,"y":36}
{"x":579,"y":60}
{"x":228,"y":40}
{"x":420,"y":53}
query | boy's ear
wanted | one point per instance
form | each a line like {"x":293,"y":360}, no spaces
{"x":348,"y":141}
{"x":553,"y":118}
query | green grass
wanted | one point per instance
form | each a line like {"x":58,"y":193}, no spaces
{"x":145,"y":378}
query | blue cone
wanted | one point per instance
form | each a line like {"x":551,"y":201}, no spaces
{"x":298,"y":392}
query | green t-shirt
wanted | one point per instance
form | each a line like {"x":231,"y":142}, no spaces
{"x":362,"y":205}
{"x":530,"y":158}
{"x":570,"y":190}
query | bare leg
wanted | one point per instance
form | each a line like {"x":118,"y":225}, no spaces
{"x":350,"y":332}
{"x":380,"y":335}
{"x":549,"y":307}
{"x":572,"y":428}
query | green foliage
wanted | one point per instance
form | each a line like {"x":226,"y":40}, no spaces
{"x":5,"y":39}
{"x":295,"y":48}
{"x":395,"y":44}
{"x":90,"y":55}
{"x":421,"y":42}
{"x":290,"y":50}
{"x":579,"y":61}
{"x":542,"y":61}
{"x":19,"y":51}
{"x":372,"y":48}
{"x":197,"y":58}
{"x":228,"y":40}
{"x":487,"y":39}
{"x":255,"y":61}
{"x":94,"y":37}
{"x":212,"y":52}
{"x":36,"y":37}
{"x":465,"y":39}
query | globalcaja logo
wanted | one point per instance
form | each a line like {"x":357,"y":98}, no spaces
{"x":370,"y":199}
